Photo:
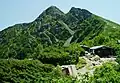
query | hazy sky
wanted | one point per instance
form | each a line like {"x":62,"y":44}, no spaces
{"x":19,"y":11}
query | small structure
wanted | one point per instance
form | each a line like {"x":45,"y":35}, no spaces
{"x":102,"y":51}
{"x":69,"y":70}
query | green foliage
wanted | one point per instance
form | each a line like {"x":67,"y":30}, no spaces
{"x":53,"y":55}
{"x":81,"y":63}
{"x":30,"y":71}
{"x":61,"y":55}
{"x":74,"y":51}
{"x":108,"y":73}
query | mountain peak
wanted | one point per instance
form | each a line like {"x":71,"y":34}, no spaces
{"x":52,"y":11}
{"x":78,"y":13}
{"x":75,"y":9}
{"x":52,"y":7}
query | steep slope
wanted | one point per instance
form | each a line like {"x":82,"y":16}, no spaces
{"x":109,"y":34}
{"x":54,"y":28}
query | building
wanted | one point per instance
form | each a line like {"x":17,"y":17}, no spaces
{"x":102,"y":51}
{"x":69,"y":70}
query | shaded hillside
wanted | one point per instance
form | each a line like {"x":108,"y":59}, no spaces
{"x":55,"y":29}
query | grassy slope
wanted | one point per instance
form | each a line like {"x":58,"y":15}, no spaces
{"x":108,"y":35}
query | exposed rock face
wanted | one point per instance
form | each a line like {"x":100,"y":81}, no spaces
{"x":92,"y":63}
{"x":80,"y":14}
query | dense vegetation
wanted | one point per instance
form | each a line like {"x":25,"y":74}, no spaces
{"x":54,"y":38}
{"x":108,"y":73}
{"x":27,"y":71}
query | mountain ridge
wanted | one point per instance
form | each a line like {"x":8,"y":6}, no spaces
{"x":53,"y":27}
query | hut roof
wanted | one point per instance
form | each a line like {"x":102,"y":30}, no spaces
{"x":97,"y":47}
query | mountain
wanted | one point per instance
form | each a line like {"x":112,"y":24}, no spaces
{"x":55,"y":28}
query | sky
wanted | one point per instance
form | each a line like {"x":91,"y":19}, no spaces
{"x":23,"y":11}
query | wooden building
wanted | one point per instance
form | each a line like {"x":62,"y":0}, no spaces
{"x":102,"y":51}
